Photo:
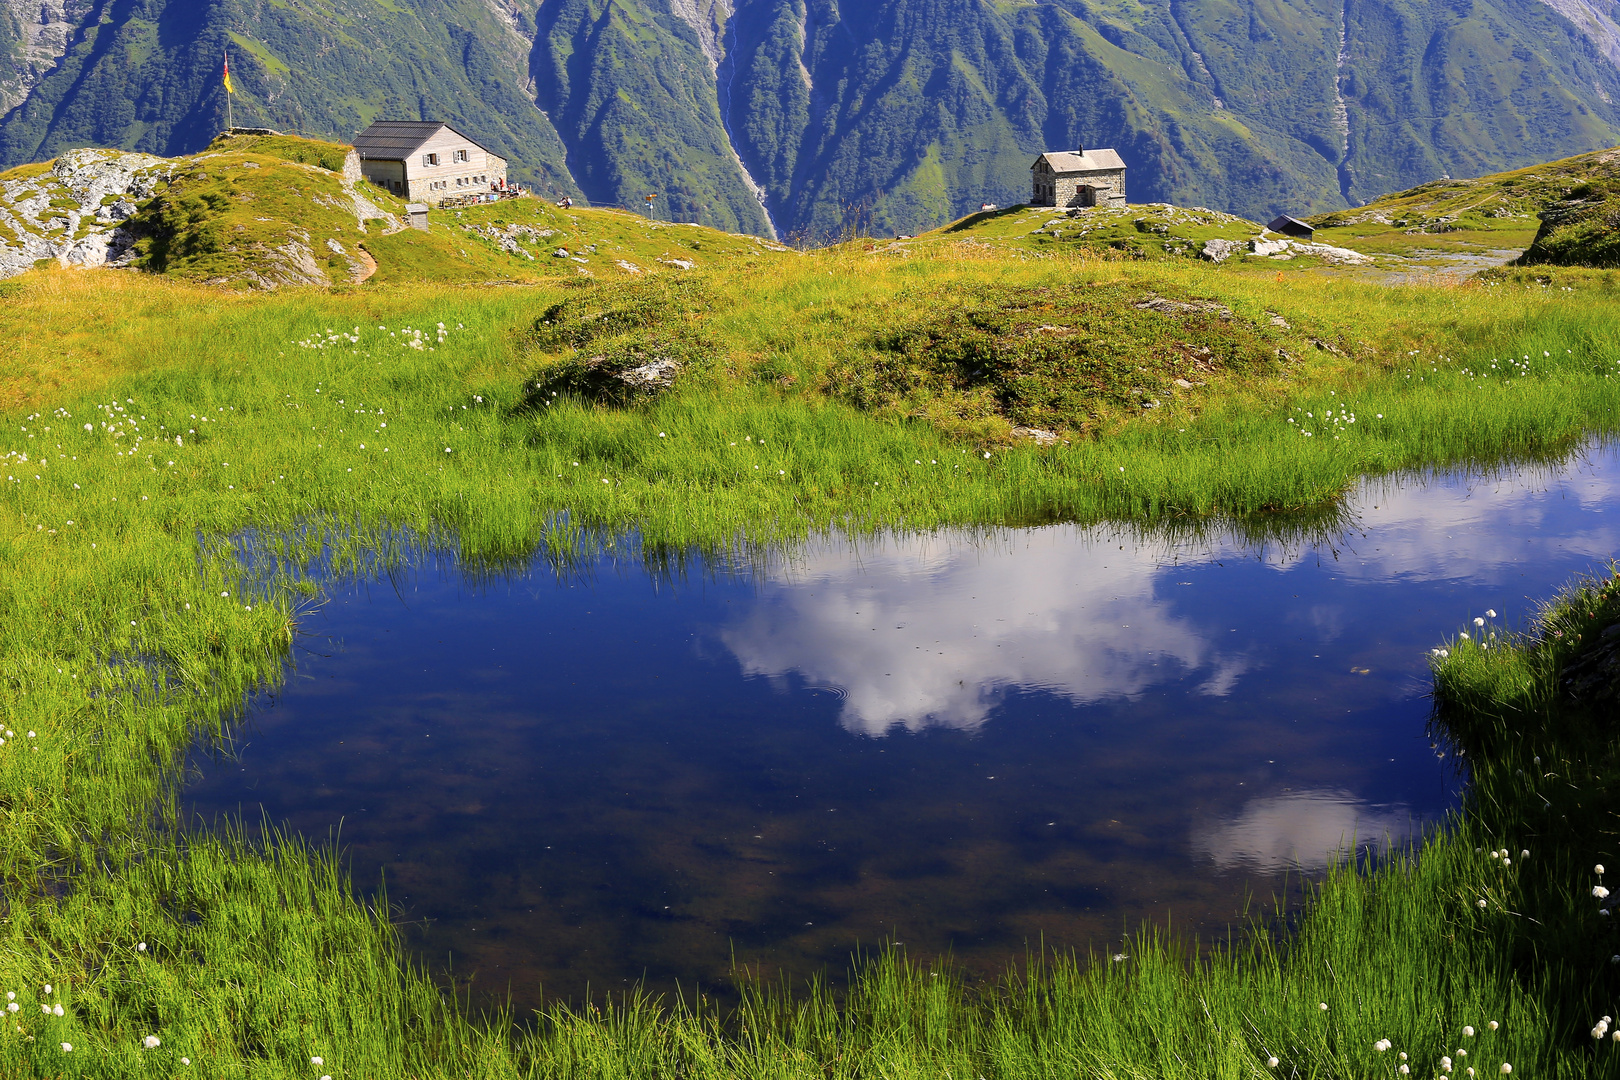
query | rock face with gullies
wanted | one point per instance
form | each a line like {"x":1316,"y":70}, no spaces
{"x":74,"y":212}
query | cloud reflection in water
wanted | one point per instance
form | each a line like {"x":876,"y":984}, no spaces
{"x":1302,"y":829}
{"x":926,"y":632}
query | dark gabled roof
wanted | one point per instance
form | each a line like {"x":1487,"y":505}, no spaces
{"x":1286,"y":224}
{"x":396,"y":140}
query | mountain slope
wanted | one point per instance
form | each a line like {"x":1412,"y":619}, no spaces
{"x":633,"y":94}
{"x":816,"y":116}
{"x":147,"y":77}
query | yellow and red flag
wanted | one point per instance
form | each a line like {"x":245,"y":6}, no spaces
{"x":229,"y":89}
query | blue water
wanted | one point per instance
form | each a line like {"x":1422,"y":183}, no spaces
{"x":979,"y":744}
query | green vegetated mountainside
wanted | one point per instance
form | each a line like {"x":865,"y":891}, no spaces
{"x":905,"y":114}
{"x":815,"y":116}
{"x":146,"y":76}
{"x":632,"y":92}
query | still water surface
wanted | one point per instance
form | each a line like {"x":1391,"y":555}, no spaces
{"x":968,"y":743}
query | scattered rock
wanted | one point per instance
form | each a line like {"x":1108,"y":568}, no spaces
{"x":1258,"y":246}
{"x":562,"y":253}
{"x":1338,"y":256}
{"x":1038,"y":436}
{"x":1218,"y":251}
{"x":684,"y":264}
{"x":1183,"y":307}
{"x":1278,"y":320}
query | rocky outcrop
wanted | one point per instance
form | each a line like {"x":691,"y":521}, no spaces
{"x":74,"y":212}
{"x":1582,"y":230}
{"x":621,"y":378}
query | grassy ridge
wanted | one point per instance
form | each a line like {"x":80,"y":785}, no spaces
{"x":129,"y":623}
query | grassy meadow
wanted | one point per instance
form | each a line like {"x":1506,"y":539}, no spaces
{"x":153,"y":429}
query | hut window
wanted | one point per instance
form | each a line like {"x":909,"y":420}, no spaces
{"x":461,"y":155}
{"x":430,"y":159}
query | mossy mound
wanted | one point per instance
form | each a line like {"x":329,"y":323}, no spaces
{"x":1582,"y":230}
{"x":1056,"y":359}
{"x":630,"y":349}
{"x":1148,"y":231}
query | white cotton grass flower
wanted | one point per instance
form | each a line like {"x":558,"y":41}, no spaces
{"x":317,"y":1062}
{"x":1490,"y":613}
{"x":1493,"y":1025}
{"x":48,"y":989}
{"x":1480,"y":903}
{"x":1382,"y":1044}
{"x":1468,"y":1031}
{"x":1479,"y":622}
{"x":1599,"y":869}
{"x":185,"y":1061}
{"x":151,"y":1042}
{"x":57,"y":1011}
{"x":1322,"y":1005}
{"x":1404,"y":1070}
{"x":1271,"y":1063}
{"x":67,"y":1048}
{"x":1599,"y":891}
{"x":140,"y":946}
{"x":1506,"y":1068}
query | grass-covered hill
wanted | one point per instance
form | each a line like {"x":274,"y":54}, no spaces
{"x":270,"y":211}
{"x":1496,"y":211}
{"x":1582,"y":229}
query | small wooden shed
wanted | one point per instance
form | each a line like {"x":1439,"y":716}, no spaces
{"x":1292,"y":227}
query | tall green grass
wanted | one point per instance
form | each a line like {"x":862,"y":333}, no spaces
{"x":148,"y":587}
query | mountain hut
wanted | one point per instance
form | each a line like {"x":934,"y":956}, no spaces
{"x":1078,"y":178}
{"x":426,"y":161}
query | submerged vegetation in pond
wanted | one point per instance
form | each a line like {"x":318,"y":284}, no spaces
{"x":148,"y":421}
